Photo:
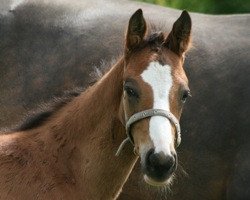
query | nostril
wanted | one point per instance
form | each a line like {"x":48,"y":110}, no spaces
{"x":149,"y":156}
{"x":170,"y":162}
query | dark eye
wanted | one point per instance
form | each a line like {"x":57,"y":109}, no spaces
{"x":185,"y":95}
{"x":131,"y":92}
{"x":131,"y":88}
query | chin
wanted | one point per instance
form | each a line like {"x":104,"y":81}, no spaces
{"x":155,"y":183}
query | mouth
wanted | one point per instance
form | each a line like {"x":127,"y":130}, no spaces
{"x":154,"y":183}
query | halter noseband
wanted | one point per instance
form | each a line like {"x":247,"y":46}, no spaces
{"x":145,"y":114}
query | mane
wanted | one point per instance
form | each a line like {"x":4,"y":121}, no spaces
{"x":154,"y":33}
{"x":37,"y":117}
{"x":154,"y":38}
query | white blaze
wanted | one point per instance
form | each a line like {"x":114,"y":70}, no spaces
{"x":160,"y":79}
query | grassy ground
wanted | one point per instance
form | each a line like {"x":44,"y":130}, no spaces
{"x":207,"y":6}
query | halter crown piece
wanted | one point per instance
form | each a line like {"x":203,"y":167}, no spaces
{"x":145,"y":114}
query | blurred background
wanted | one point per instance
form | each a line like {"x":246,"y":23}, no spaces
{"x":207,"y":6}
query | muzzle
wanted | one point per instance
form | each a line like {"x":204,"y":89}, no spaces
{"x":145,"y":114}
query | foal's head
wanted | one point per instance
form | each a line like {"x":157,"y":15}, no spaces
{"x":154,"y":79}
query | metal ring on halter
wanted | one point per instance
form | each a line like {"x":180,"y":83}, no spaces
{"x":145,"y":114}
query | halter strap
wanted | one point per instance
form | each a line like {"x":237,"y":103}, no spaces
{"x":145,"y":114}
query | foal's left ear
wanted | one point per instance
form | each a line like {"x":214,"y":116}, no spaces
{"x":136,"y":30}
{"x":178,"y":39}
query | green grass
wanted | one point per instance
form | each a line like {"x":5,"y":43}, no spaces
{"x":207,"y":6}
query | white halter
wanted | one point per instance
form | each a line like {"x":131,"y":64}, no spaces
{"x":145,"y":114}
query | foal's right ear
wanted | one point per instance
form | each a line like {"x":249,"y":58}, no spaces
{"x":136,"y":30}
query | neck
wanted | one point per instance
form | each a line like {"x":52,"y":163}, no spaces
{"x":93,"y":132}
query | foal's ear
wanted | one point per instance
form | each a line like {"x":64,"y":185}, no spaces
{"x":136,"y":30}
{"x":178,"y":39}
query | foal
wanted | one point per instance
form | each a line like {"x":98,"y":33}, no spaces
{"x":70,"y":153}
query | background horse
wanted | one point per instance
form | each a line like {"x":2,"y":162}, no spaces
{"x":46,"y":48}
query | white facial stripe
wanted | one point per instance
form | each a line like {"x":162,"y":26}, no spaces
{"x":160,"y":79}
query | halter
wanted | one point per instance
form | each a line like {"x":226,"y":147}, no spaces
{"x":145,"y":114}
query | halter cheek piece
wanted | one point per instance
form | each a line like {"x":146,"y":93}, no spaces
{"x":145,"y":114}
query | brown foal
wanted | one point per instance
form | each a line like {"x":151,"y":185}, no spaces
{"x":70,"y":154}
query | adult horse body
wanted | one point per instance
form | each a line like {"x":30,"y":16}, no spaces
{"x":49,"y":47}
